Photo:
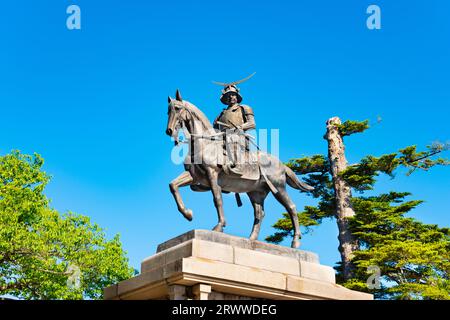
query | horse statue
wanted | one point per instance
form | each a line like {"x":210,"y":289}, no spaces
{"x":208,"y":174}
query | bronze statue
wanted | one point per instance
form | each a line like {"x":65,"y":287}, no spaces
{"x":235,"y":120}
{"x":270,"y":174}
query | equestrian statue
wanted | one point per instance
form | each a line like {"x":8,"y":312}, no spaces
{"x":220,"y":160}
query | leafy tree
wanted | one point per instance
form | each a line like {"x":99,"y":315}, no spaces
{"x":44,"y":254}
{"x":335,"y":181}
{"x":413,"y":258}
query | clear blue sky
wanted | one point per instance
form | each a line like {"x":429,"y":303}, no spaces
{"x":93,"y":102}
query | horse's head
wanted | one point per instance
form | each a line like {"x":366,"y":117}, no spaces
{"x":183,"y":114}
{"x":177,"y":114}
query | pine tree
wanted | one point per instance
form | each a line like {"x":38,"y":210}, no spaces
{"x":411,"y":258}
{"x":335,"y":180}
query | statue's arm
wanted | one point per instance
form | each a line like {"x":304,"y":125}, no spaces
{"x":215,"y":124}
{"x":249,"y":117}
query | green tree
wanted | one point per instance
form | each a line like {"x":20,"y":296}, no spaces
{"x":44,"y":254}
{"x":412,"y":258}
{"x":335,"y":181}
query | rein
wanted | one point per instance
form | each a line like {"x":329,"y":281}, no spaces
{"x":213,"y":136}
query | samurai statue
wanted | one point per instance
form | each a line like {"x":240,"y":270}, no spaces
{"x":234,"y":121}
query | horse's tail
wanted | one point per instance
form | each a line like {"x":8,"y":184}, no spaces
{"x":294,"y":182}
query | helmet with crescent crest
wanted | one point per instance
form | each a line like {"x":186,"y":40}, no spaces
{"x":230,"y":88}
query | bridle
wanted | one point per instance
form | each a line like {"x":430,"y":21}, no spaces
{"x":181,"y":124}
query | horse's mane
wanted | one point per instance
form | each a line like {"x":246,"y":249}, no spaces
{"x":198,"y":113}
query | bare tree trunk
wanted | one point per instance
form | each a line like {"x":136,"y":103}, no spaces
{"x":344,"y":209}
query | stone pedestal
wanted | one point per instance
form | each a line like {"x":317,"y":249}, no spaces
{"x":208,"y":265}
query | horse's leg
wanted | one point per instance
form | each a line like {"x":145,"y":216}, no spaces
{"x":182,"y":180}
{"x":286,"y":201}
{"x":217,"y":194}
{"x":257,"y":199}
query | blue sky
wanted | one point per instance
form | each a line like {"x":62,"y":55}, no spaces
{"x":93,"y":102}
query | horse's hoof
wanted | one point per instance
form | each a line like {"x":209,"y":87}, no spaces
{"x":218,"y":228}
{"x":295,"y":244}
{"x":188,"y":215}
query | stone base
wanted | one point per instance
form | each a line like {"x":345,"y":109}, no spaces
{"x":208,"y":265}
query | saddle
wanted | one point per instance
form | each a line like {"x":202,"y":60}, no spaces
{"x":233,"y":155}
{"x":248,"y":169}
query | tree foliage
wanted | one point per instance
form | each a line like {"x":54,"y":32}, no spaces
{"x":350,"y":127}
{"x":413,"y":257}
{"x":362,"y":176}
{"x":45,"y":254}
